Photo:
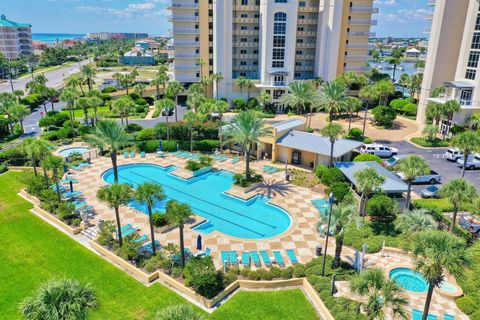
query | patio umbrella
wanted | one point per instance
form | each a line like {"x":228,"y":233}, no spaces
{"x":65,"y":169}
{"x":71,"y":185}
{"x":160,"y":147}
{"x":199,"y":242}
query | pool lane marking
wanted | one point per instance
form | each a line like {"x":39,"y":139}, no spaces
{"x":220,"y":218}
{"x":213,"y":204}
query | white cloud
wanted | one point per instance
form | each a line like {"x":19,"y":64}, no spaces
{"x":145,"y":9}
{"x":386,"y":2}
{"x":405,"y":16}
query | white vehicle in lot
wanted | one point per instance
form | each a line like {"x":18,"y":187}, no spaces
{"x":453,"y":154}
{"x":470,"y":223}
{"x":379,"y":150}
{"x":473,"y":162}
{"x":431,"y":178}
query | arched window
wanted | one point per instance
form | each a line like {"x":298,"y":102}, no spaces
{"x":280,"y":16}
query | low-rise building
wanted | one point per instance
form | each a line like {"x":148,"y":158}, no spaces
{"x":137,"y":56}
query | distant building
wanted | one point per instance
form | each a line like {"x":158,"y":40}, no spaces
{"x":38,"y":45}
{"x":137,"y":56}
{"x":15,"y":38}
{"x":143,"y":44}
{"x":165,"y":54}
{"x":115,"y":35}
{"x":412,"y":53}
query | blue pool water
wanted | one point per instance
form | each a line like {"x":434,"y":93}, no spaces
{"x":409,"y":279}
{"x":253,"y":219}
{"x":69,"y":151}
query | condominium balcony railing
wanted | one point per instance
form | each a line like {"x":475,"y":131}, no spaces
{"x":246,"y":8}
{"x":186,"y":67}
{"x":364,"y":9}
{"x":305,"y":45}
{"x":357,"y":21}
{"x":185,"y":31}
{"x":245,"y":32}
{"x":186,"y":78}
{"x":183,"y":18}
{"x":357,"y":68}
{"x":245,"y":56}
{"x":187,"y":55}
{"x":244,"y":68}
{"x":359,"y":46}
{"x":180,"y":43}
{"x":305,"y":57}
{"x":245,"y":20}
{"x":306,"y":21}
{"x":361,"y":34}
{"x":305,"y":68}
{"x":357,"y":57}
{"x":308,"y":9}
{"x":245,"y":44}
{"x":184,"y":5}
{"x":307,"y":33}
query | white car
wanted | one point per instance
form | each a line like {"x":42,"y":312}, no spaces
{"x":453,"y":154}
{"x":473,"y":162}
{"x":379,"y":150}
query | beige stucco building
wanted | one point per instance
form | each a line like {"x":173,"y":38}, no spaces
{"x":15,"y":38}
{"x":272,"y":42}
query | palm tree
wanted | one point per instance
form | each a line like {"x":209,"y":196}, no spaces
{"x":246,"y":129}
{"x":116,"y":195}
{"x":149,"y":193}
{"x":437,"y":252}
{"x":60,"y":299}
{"x":383,"y":297}
{"x":352,"y":104}
{"x":333,"y":131}
{"x":249,"y":84}
{"x":451,"y":107}
{"x":84,"y":103}
{"x":367,"y":181}
{"x":333,"y":96}
{"x":191,"y":118}
{"x":55,"y":164}
{"x":174,"y":89}
{"x":69,"y":96}
{"x":179,"y":312}
{"x":435,"y":111}
{"x":95,"y":102}
{"x":36,"y":149}
{"x":318,"y":81}
{"x":19,"y":112}
{"x":367,"y":93}
{"x":240,"y":82}
{"x":410,"y":168}
{"x":429,"y":132}
{"x":395,"y":61}
{"x":177,"y":214}
{"x":384,"y":88}
{"x":264,"y":99}
{"x":300,"y":94}
{"x":467,"y":142}
{"x":460,"y":192}
{"x":217,"y":77}
{"x":122,"y":79}
{"x":123,"y":105}
{"x":110,"y":135}
{"x":342,"y":217}
{"x":404,"y":81}
{"x":88,"y":72}
{"x":417,"y":220}
{"x":161,"y":79}
{"x":166,"y":104}
{"x":139,"y":88}
{"x":474,"y":121}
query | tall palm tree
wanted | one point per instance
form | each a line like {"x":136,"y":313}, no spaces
{"x":54,"y":163}
{"x":460,"y":192}
{"x":410,"y":168}
{"x":435,"y":112}
{"x":179,"y":312}
{"x":417,"y":220}
{"x":367,"y":181}
{"x":395,"y":62}
{"x":149,"y":193}
{"x":429,"y":132}
{"x":69,"y":96}
{"x":161,"y":79}
{"x":19,"y":112}
{"x":384,"y":89}
{"x":123,"y":80}
{"x":333,"y":131}
{"x":437,"y":252}
{"x":109,"y":135}
{"x":95,"y":102}
{"x":352,"y":104}
{"x":88,"y":72}
{"x":116,"y":195}
{"x":318,"y":81}
{"x":246,"y":129}
{"x":474,"y":121}
{"x":467,"y":142}
{"x":451,"y":107}
{"x":123,"y":106}
{"x":177,"y":214}
{"x":342,"y":217}
{"x":249,"y":84}
{"x":367,"y":93}
{"x":217,"y":77}
{"x":60,"y":299}
{"x":300,"y":93}
{"x":139,"y":88}
{"x":166,"y":104}
{"x":36,"y":150}
{"x":332,"y":97}
{"x":174,"y":89}
{"x":264,"y":99}
{"x":84,"y":103}
{"x":240,"y":83}
{"x":191,"y":118}
{"x":383,"y":297}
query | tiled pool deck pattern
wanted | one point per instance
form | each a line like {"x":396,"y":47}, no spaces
{"x":302,"y":236}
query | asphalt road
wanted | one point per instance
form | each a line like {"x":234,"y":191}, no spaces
{"x":447,"y":169}
{"x":55,"y":78}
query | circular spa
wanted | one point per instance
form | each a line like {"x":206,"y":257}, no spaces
{"x":68,"y":151}
{"x":255,"y":218}
{"x":414,"y":281}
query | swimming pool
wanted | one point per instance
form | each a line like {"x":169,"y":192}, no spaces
{"x":252,"y":219}
{"x":409,"y":279}
{"x":68,"y":151}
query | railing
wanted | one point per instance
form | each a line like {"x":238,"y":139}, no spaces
{"x":357,"y":68}
{"x":186,"y":43}
{"x":176,"y":17}
{"x":305,"y":45}
{"x":361,"y":34}
{"x":185,"y":5}
{"x":364,"y":9}
{"x":245,"y":20}
{"x":245,"y":44}
{"x":246,"y":8}
{"x":359,"y":46}
{"x":185,"y":31}
{"x":356,"y":57}
{"x":245,"y":32}
{"x":186,"y":55}
{"x":368,"y":22}
{"x":192,"y":67}
{"x":245,"y":56}
{"x":308,"y":9}
{"x":306,"y":21}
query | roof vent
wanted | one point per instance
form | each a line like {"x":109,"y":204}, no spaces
{"x":3,"y":17}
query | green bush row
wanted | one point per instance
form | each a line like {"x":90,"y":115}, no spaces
{"x":150,"y":146}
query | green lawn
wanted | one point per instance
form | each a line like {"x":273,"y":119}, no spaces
{"x":436,"y":143}
{"x":46,"y":69}
{"x":79,"y":112}
{"x":32,"y":252}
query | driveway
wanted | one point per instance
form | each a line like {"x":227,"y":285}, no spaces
{"x":448,"y":170}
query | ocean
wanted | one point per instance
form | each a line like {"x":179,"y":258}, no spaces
{"x":53,"y":37}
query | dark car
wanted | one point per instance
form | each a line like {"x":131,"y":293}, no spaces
{"x":167,"y":112}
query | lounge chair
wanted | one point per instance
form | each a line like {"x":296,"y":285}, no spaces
{"x":129,"y":232}
{"x":246,"y":259}
{"x":448,"y":317}
{"x":126,"y":227}
{"x":126,"y":230}
{"x":320,"y":203}
{"x":205,"y":254}
{"x":60,"y":187}
{"x":148,"y":247}
{"x":235,"y":160}
{"x":67,"y":181}
{"x":142,"y":239}
{"x":417,"y":315}
{"x":233,"y":257}
{"x":224,"y":256}
{"x":266,"y":258}
{"x":125,"y":154}
{"x":273,"y":170}
{"x":69,"y":195}
{"x":279,"y":258}
{"x":292,"y":257}
{"x":132,"y":154}
{"x":142,"y":154}
{"x":255,"y":259}
{"x":267,"y":168}
{"x":84,"y":164}
{"x":76,"y":168}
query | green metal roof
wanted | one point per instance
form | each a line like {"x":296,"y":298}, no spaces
{"x":8,"y":23}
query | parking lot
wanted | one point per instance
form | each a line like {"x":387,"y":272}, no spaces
{"x":447,"y":169}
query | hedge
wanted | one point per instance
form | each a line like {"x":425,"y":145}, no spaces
{"x":367,"y":157}
{"x":200,"y":145}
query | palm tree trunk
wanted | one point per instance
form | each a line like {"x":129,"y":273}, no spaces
{"x":21,"y":126}
{"x":152,"y":231}
{"x":127,"y":89}
{"x":45,"y":176}
{"x":34,"y":163}
{"x":330,"y":117}
{"x":338,"y":251}
{"x":45,"y":107}
{"x":182,"y":246}
{"x":454,"y":218}
{"x":332,"y":142}
{"x":365,"y":119}
{"x":176,"y":104}
{"x":409,"y":194}
{"x":191,"y":140}
{"x":465,"y":158}
{"x":362,"y":205}
{"x":158,"y":92}
{"x":216,"y":90}
{"x":394,"y":71}
{"x":52,"y":105}
{"x":119,"y":226}
{"x":56,"y":186}
{"x":310,"y":118}
{"x":168,"y":129}
{"x":350,"y":121}
{"x":427,"y":301}
{"x":247,"y":164}
{"x":113,"y":156}
{"x":95,"y":116}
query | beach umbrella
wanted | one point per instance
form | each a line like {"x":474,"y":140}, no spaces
{"x":71,"y":186}
{"x":65,"y":169}
{"x":199,"y":242}
{"x":160,"y":147}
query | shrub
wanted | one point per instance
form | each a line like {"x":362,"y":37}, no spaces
{"x":298,"y":271}
{"x":381,"y":207}
{"x":105,"y":235}
{"x":109,"y":89}
{"x":264,"y":274}
{"x":3,"y":167}
{"x":133,"y":127}
{"x":287,"y":273}
{"x":410,"y":109}
{"x":130,"y":250}
{"x":32,"y":101}
{"x":332,"y":175}
{"x":355,"y":134}
{"x":200,"y":274}
{"x":276,"y":272}
{"x":339,"y":190}
{"x":320,"y":170}
{"x":384,"y":116}
{"x":159,"y":219}
{"x":193,"y":165}
{"x":239,"y":104}
{"x":146,"y":134}
{"x":34,"y":185}
{"x":367,"y":157}
{"x":135,"y":96}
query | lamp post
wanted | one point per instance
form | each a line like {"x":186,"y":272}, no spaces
{"x":11,"y":78}
{"x":330,"y":204}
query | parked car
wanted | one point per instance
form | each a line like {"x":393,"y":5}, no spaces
{"x":54,"y":99}
{"x":390,"y":162}
{"x":379,"y":150}
{"x":470,"y":223}
{"x":453,"y":154}
{"x":167,"y":112}
{"x":430,"y":192}
{"x":473,"y":162}
{"x":431,"y":178}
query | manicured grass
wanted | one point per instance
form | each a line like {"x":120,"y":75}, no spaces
{"x":436,"y":143}
{"x":373,"y":234}
{"x":32,"y":251}
{"x":471,"y":300}
{"x":266,"y":305}
{"x":441,"y":204}
{"x":78,"y":113}
{"x":46,"y":69}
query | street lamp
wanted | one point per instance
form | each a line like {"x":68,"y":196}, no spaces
{"x":12,"y":70}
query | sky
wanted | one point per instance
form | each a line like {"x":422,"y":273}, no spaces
{"x":402,"y":18}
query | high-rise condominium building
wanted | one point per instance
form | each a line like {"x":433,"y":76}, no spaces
{"x":272,"y":42}
{"x":15,"y":38}
{"x":453,"y":59}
